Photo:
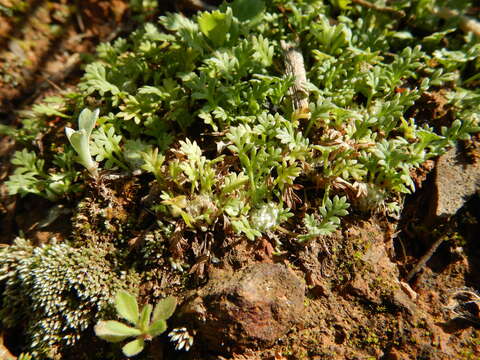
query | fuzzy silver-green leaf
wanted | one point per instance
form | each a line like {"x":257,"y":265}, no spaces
{"x":127,"y":306}
{"x":87,"y":119}
{"x":157,"y":328}
{"x":164,"y":309}
{"x":114,"y":331}
{"x":134,"y":347}
{"x":144,"y":320}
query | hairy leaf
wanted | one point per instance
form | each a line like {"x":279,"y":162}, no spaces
{"x":127,"y":306}
{"x":114,"y":331}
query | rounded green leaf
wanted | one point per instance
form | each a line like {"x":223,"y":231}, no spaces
{"x":114,"y":331}
{"x":245,"y":10}
{"x":215,"y":26}
{"x":87,"y":119}
{"x":77,"y":139}
{"x":144,"y":320}
{"x":164,"y":309}
{"x":69,"y":132}
{"x":127,"y":307}
{"x":134,"y":347}
{"x":157,"y":328}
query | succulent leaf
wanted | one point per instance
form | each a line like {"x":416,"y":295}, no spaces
{"x":134,"y":347}
{"x":87,"y":119}
{"x":127,"y":306}
{"x":144,"y":320}
{"x":114,"y":331}
{"x":157,"y":328}
{"x":164,"y":309}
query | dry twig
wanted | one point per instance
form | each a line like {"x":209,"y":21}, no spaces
{"x":466,"y":24}
{"x":385,"y":9}
{"x":424,"y":259}
{"x":295,"y":66}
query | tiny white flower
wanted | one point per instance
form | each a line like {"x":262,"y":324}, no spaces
{"x":265,"y":217}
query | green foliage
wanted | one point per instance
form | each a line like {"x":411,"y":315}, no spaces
{"x":106,"y":147}
{"x":143,"y":9}
{"x":25,"y":356}
{"x":215,"y":26}
{"x":367,"y":79}
{"x":96,"y":81}
{"x":247,"y":10}
{"x":56,"y":291}
{"x":153,"y":162}
{"x":30,"y":176}
{"x":202,"y":106}
{"x":80,"y":139}
{"x":330,"y":220}
{"x":145,"y":324}
{"x":205,"y":195}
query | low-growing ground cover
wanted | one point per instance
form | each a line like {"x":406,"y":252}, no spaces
{"x":290,"y":132}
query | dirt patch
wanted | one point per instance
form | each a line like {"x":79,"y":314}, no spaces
{"x":42,"y":43}
{"x":363,"y":310}
{"x":433,"y":109}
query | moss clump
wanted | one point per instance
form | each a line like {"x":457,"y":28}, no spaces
{"x":57,"y":291}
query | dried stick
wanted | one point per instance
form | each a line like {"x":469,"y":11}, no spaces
{"x":466,"y":24}
{"x":295,"y":66}
{"x":194,"y":5}
{"x":424,"y":259}
{"x":386,"y":9}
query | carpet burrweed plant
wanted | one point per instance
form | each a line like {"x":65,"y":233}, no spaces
{"x":203,"y":106}
{"x":222,"y":71}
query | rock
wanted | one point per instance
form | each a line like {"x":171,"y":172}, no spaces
{"x":253,"y":307}
{"x":455,"y":181}
{"x":403,"y":301}
{"x":377,"y":282}
{"x":395,"y":354}
{"x":378,"y":276}
{"x":360,"y":287}
{"x":407,"y":289}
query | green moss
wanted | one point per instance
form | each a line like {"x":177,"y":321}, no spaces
{"x":57,"y":291}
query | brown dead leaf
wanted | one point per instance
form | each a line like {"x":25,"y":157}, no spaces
{"x":119,"y":7}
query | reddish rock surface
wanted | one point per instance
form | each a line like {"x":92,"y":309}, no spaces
{"x":253,"y":307}
{"x":455,"y":181}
